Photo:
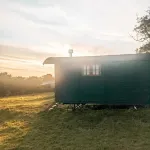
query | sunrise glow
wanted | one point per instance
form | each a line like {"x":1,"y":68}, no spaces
{"x":32,"y":31}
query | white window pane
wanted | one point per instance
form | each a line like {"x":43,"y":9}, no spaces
{"x":84,"y":70}
{"x":88,"y":70}
{"x":97,"y":69}
{"x":100,"y":70}
{"x":93,"y":70}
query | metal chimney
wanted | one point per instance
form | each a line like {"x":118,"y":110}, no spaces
{"x":70,"y":51}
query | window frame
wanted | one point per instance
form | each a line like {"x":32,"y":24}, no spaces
{"x":92,"y":70}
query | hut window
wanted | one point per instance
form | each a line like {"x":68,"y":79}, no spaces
{"x":97,"y":69}
{"x":92,"y":70}
{"x":86,"y":70}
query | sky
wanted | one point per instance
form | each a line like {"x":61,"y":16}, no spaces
{"x":32,"y":30}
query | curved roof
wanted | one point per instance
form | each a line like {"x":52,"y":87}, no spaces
{"x":53,"y":60}
{"x":124,"y":57}
{"x":49,"y":60}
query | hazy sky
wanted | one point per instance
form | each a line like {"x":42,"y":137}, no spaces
{"x":50,"y":27}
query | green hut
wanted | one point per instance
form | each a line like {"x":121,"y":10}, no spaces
{"x":105,"y":80}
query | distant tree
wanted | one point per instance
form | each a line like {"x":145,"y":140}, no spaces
{"x":5,"y":74}
{"x":48,"y":77}
{"x":22,"y":85}
{"x":142,"y":30}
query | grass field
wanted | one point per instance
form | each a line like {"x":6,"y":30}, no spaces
{"x":23,"y":126}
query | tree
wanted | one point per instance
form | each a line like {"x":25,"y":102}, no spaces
{"x":142,"y":30}
{"x":48,"y":77}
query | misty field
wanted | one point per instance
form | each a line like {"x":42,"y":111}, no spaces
{"x":25,"y":126}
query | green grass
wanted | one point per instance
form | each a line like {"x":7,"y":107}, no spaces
{"x":25,"y":127}
{"x":17,"y":115}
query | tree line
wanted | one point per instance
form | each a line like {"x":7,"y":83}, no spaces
{"x":10,"y":85}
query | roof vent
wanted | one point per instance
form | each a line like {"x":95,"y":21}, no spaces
{"x":70,"y":51}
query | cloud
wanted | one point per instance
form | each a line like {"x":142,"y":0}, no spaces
{"x":59,"y":24}
{"x":49,"y":27}
{"x":52,"y":15}
{"x":12,"y":58}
